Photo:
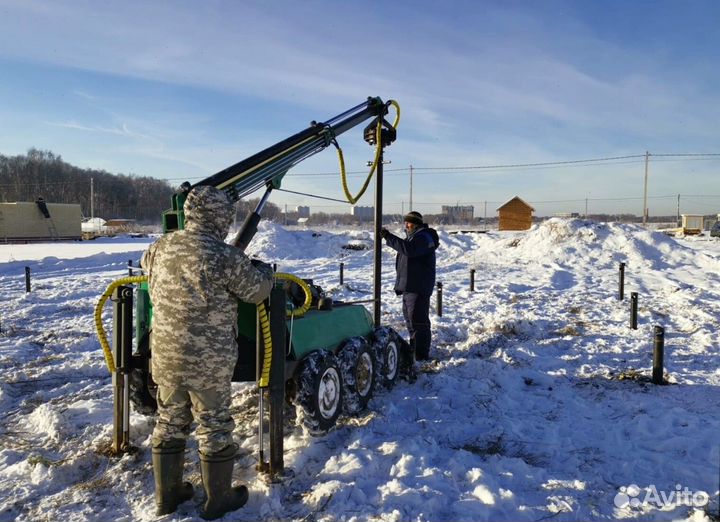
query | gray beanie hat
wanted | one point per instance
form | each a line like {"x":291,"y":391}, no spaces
{"x":413,"y":217}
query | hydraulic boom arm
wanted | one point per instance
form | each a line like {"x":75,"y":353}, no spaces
{"x":268,"y":166}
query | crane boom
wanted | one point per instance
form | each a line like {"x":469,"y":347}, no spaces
{"x":269,"y":166}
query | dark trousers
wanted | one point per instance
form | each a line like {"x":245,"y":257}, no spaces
{"x":416,"y":310}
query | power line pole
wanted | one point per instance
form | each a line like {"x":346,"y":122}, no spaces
{"x":678,"y":211}
{"x":377,"y":254}
{"x":645,"y":210}
{"x":92,"y":200}
{"x":411,"y":173}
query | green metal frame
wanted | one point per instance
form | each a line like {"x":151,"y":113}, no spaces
{"x":316,"y":330}
{"x":327,"y":329}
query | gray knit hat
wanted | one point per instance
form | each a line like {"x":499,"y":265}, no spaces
{"x":413,"y":217}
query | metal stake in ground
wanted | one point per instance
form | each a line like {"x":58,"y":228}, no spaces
{"x":633,"y":310}
{"x":342,"y":273}
{"x":658,"y":355}
{"x":621,"y":286}
{"x":472,"y":279}
{"x":439,"y":299}
{"x":27,"y":279}
{"x":130,"y":267}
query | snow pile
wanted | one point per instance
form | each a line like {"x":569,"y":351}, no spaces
{"x":538,"y":407}
{"x":276,"y":243}
{"x":598,"y":245}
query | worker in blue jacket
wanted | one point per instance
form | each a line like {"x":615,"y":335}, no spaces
{"x":415,"y":267}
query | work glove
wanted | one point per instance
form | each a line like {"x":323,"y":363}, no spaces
{"x":263,"y":268}
{"x":384,"y":233}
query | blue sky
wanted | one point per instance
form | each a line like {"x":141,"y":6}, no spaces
{"x":180,"y":90}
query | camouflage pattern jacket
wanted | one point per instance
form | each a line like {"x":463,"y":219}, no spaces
{"x":195,"y":281}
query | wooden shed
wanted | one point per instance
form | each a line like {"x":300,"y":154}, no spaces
{"x":515,"y":215}
{"x":39,"y":221}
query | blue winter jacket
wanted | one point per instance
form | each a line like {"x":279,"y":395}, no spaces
{"x":415,"y":261}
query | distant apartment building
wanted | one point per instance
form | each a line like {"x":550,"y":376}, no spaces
{"x":303,"y":212}
{"x":363,"y":213}
{"x":459,"y":212}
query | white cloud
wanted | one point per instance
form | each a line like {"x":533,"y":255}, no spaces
{"x":478,"y":83}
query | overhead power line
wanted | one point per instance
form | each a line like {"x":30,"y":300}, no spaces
{"x":540,"y":164}
{"x":686,"y":154}
{"x":543,"y":164}
{"x":639,"y":157}
{"x":614,"y":160}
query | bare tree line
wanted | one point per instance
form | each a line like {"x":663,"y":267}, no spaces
{"x":44,"y":174}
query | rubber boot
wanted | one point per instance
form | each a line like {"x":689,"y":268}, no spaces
{"x":216,"y":470}
{"x":170,"y":490}
{"x":410,"y":366}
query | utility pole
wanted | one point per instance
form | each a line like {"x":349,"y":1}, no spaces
{"x":586,"y":200}
{"x":678,"y":211}
{"x":411,"y":173}
{"x":377,"y":254}
{"x":645,"y":211}
{"x":92,"y":201}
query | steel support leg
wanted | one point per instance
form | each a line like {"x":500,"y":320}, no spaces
{"x":122,"y":347}
{"x":277,"y":380}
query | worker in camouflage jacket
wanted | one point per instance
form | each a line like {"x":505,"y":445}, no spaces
{"x":195,"y":280}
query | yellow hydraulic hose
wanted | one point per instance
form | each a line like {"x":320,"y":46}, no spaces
{"x":267,"y":342}
{"x":262,"y":312}
{"x":109,"y":360}
{"x":265,"y":324}
{"x":343,"y":175}
{"x":306,"y":288}
{"x":397,"y":113}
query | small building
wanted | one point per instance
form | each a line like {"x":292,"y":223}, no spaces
{"x":22,"y":222}
{"x":692,"y":224}
{"x":515,"y":215}
{"x":302,"y":211}
{"x":94,"y":227}
{"x":119,"y":226}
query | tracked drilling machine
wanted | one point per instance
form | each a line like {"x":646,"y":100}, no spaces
{"x":325,"y":356}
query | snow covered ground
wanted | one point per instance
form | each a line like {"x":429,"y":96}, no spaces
{"x":539,"y":407}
